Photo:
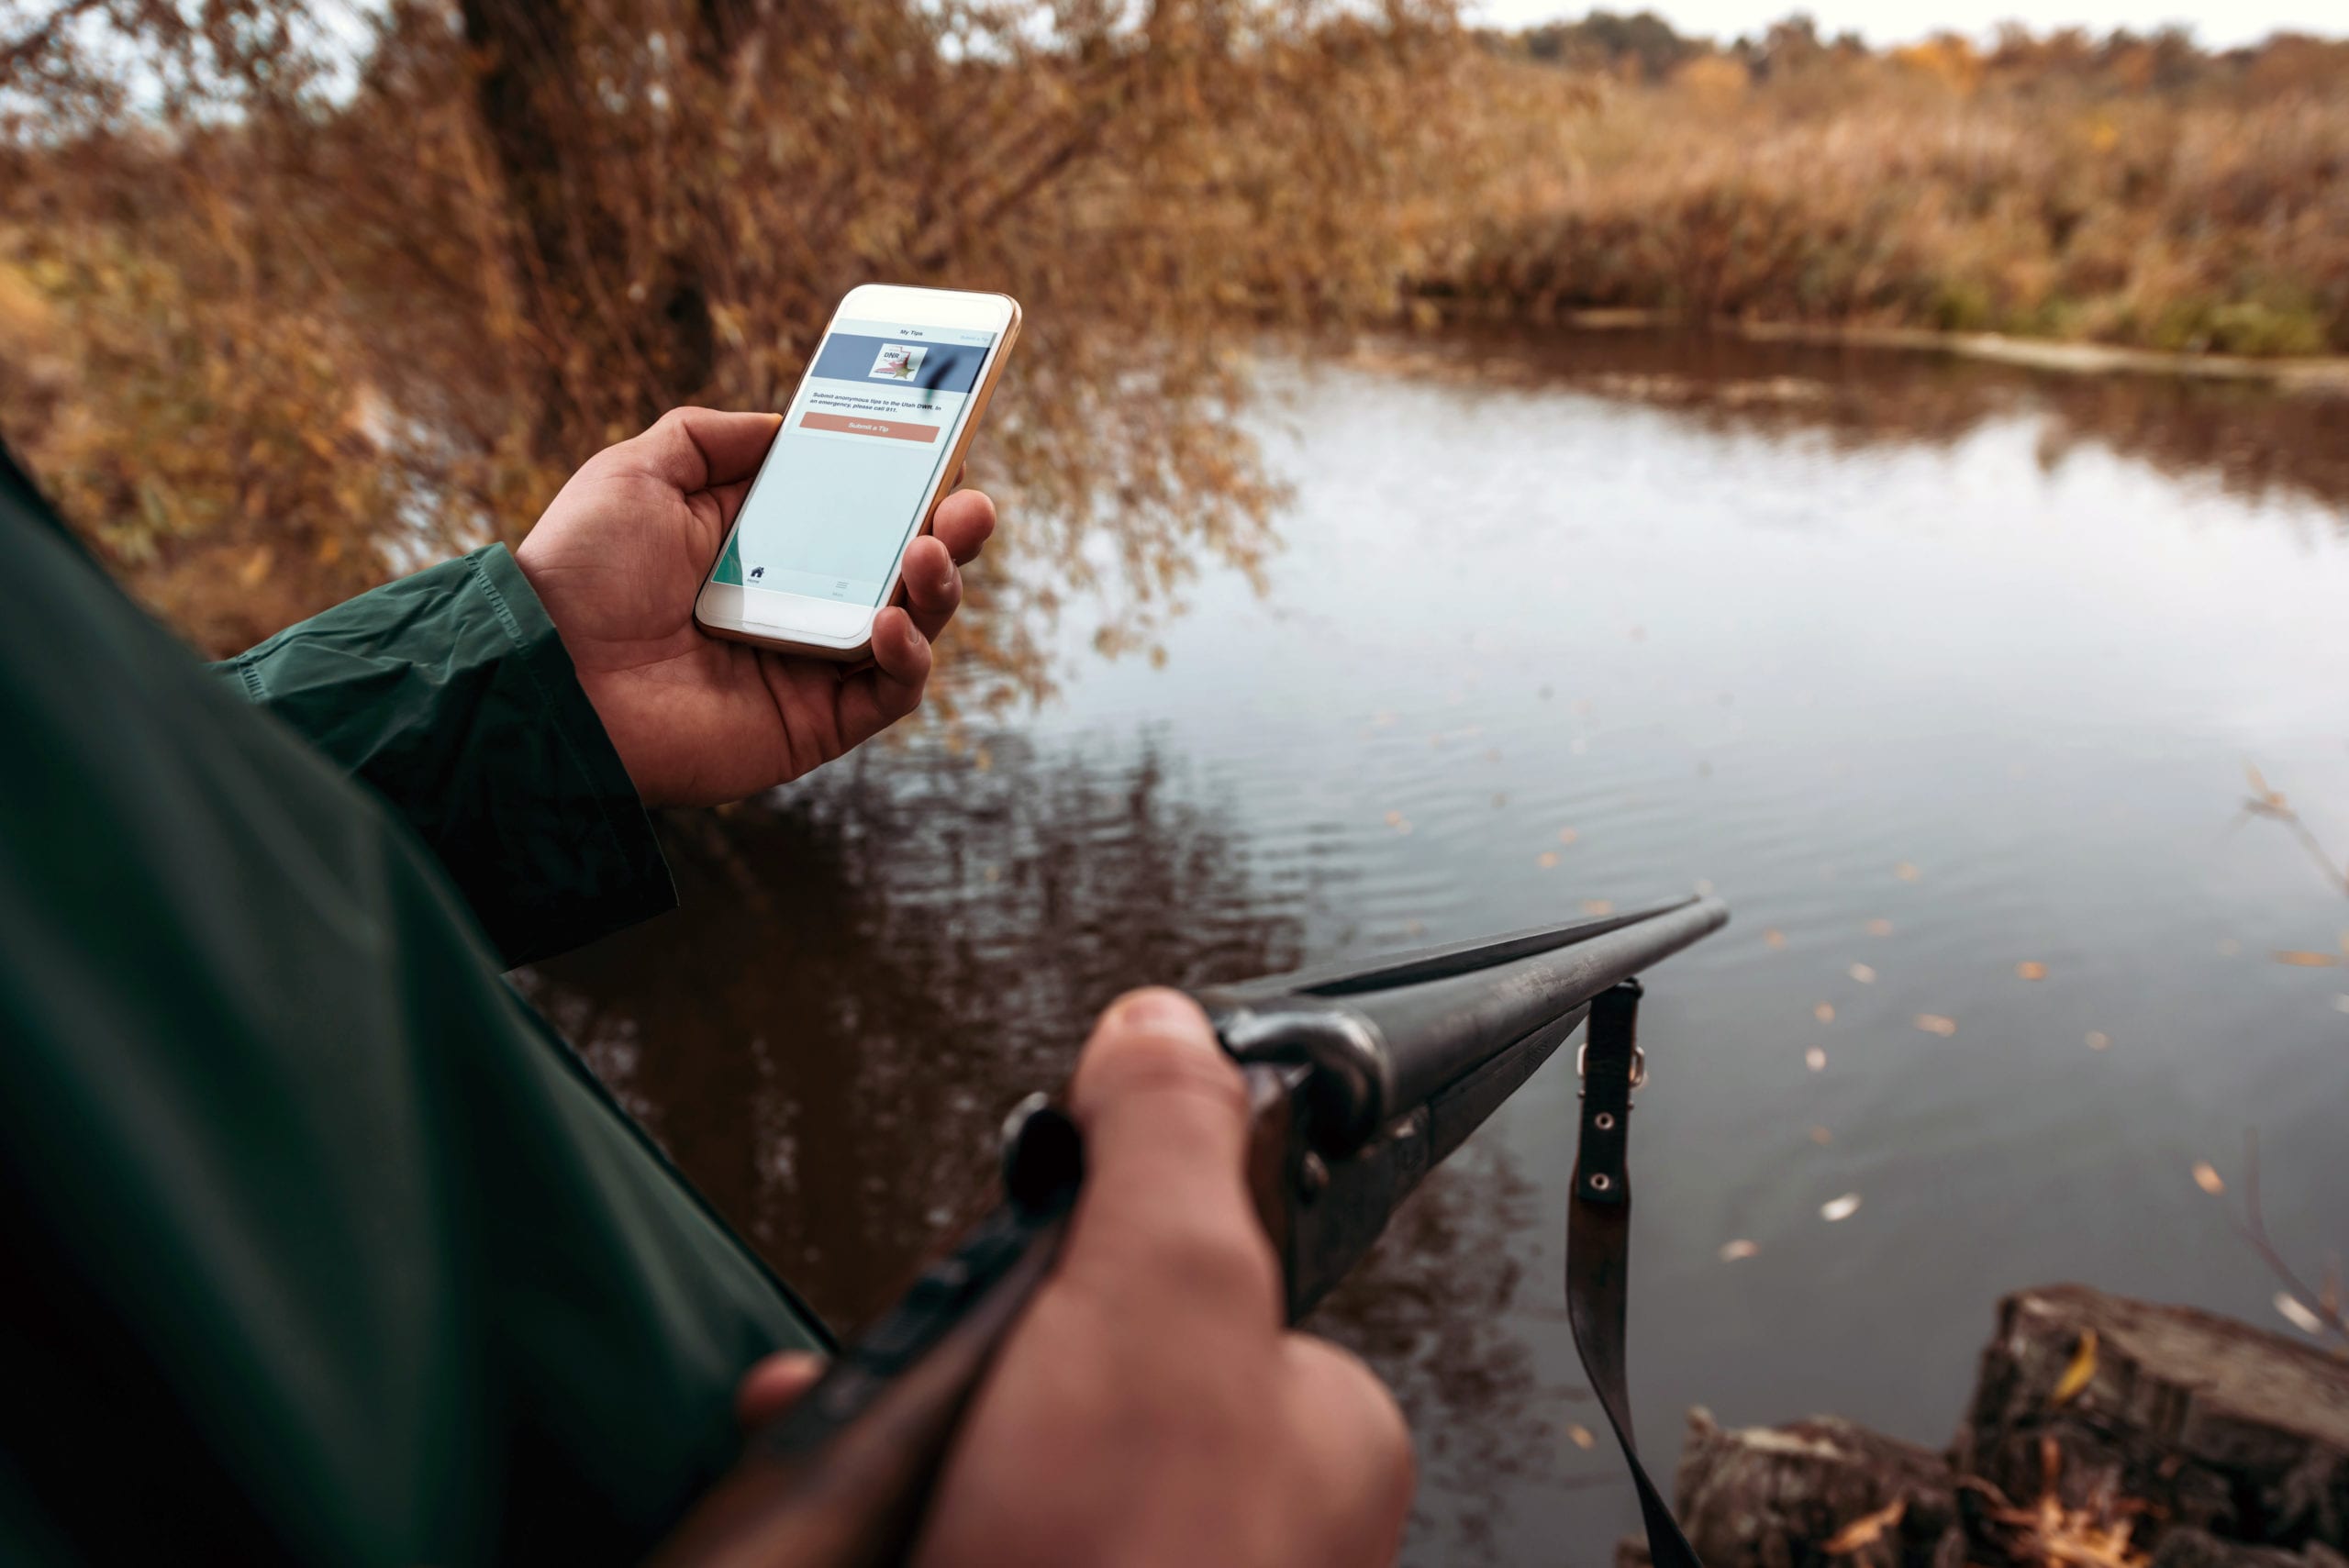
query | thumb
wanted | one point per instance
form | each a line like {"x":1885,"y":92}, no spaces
{"x":693,"y":449}
{"x":1165,"y":1205}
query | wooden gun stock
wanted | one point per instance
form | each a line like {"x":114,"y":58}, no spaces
{"x":844,"y":1479}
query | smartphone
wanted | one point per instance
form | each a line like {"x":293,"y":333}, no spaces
{"x":877,"y":431}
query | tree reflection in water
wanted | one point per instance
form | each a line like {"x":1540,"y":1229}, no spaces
{"x":867,"y":971}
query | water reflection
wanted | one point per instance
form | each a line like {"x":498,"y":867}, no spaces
{"x":1945,"y":673}
{"x":864,"y":975}
{"x":2252,"y":441}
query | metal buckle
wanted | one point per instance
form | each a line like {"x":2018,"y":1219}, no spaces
{"x":1639,"y":1064}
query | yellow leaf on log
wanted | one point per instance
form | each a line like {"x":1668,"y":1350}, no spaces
{"x":2077,"y":1375}
{"x":1868,"y":1529}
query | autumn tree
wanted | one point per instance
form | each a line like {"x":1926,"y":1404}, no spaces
{"x":294,"y":303}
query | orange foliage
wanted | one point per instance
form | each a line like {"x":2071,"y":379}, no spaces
{"x":286,"y":312}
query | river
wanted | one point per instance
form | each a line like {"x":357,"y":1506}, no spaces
{"x":1946,"y":676}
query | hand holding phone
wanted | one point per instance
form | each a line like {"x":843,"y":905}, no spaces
{"x":616,"y":562}
{"x":877,"y":427}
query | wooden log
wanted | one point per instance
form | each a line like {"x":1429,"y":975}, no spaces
{"x":1776,"y":1497}
{"x":2215,"y":1425}
{"x":2185,"y":1546}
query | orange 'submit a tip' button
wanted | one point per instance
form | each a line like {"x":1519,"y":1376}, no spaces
{"x":855,"y":425}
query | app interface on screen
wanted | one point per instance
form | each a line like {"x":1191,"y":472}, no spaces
{"x":841,"y":491}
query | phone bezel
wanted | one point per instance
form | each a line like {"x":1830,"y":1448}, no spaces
{"x":796,"y":622}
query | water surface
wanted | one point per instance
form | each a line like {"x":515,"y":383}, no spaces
{"x":1931,"y":670}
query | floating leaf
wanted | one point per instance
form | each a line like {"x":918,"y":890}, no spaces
{"x":1394,"y":819}
{"x":1596,"y":906}
{"x":1734,"y":1251}
{"x":2303,"y":959}
{"x":1815,"y":1058}
{"x":1868,"y":1529}
{"x":1933,"y":1023}
{"x":2296,"y":1312}
{"x":1773,"y":937}
{"x":2266,"y":796}
{"x":2099,"y":1040}
{"x":1581,"y":1436}
{"x":2207,"y":1177}
{"x":1824,"y":1012}
{"x":1863,"y":974}
{"x":1838,"y":1208}
{"x":2032,"y":969}
{"x":1906,"y":871}
{"x":2077,"y":1375}
{"x":1879,"y":927}
{"x":1822,"y":1137}
{"x":1567,"y":834}
{"x":1547,"y":860}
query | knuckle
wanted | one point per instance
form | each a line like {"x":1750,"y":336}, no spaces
{"x":1219,"y":1265}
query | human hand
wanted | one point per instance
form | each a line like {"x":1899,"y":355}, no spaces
{"x":618,"y":560}
{"x":1150,"y":1408}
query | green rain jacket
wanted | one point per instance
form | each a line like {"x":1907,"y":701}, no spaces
{"x":323,"y":1247}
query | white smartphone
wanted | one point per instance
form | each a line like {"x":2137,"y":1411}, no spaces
{"x":878,"y":429}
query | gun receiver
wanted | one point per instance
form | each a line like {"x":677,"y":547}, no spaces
{"x":1361,"y":1078}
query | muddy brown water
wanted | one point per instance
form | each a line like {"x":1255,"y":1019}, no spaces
{"x":1932,"y":670}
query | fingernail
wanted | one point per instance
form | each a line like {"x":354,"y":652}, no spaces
{"x":1158,"y":1008}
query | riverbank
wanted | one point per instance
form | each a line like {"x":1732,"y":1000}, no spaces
{"x":2116,"y":195}
{"x":2323,"y":374}
{"x":2102,"y":1432}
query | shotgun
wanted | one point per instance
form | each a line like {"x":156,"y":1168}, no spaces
{"x":1361,"y":1078}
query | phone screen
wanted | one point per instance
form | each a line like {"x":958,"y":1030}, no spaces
{"x":841,"y":491}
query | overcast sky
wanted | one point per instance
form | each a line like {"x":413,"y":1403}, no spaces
{"x":2215,"y":22}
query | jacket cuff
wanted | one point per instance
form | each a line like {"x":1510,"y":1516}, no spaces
{"x":596,"y":865}
{"x":451,"y":694}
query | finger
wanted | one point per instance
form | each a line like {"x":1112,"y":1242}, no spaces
{"x":963,"y":523}
{"x":877,"y":696}
{"x":693,"y":449}
{"x":729,"y":499}
{"x":773,"y":1385}
{"x":1360,"y":1446}
{"x":933,"y":585}
{"x":1165,"y":1210}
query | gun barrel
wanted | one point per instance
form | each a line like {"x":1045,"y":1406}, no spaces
{"x":1439,"y":1029}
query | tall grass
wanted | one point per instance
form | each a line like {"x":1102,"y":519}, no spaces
{"x":1940,"y":188}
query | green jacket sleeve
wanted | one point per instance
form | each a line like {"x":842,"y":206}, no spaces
{"x":322,"y":1247}
{"x":450,"y":694}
